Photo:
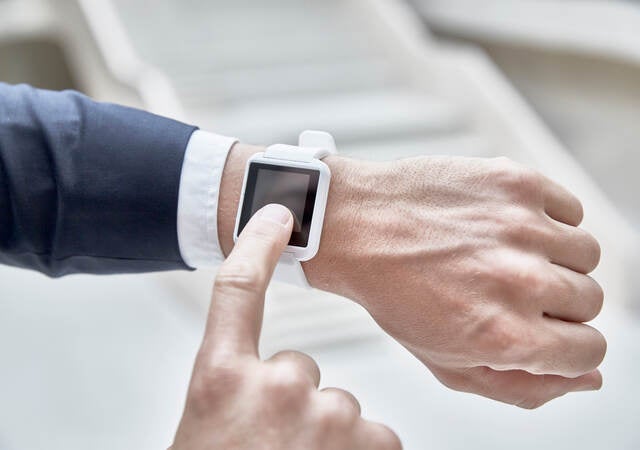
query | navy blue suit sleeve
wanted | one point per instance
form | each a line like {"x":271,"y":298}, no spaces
{"x":87,"y":187}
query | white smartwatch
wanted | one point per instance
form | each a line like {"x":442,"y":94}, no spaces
{"x":296,"y":178}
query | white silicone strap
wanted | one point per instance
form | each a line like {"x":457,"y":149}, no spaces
{"x":293,"y":153}
{"x":312,"y":145}
{"x":289,"y":270}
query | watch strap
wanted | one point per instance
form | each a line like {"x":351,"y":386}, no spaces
{"x":292,"y":153}
{"x":312,"y":145}
{"x":289,"y":270}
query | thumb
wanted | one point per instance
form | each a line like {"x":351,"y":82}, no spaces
{"x":237,"y":303}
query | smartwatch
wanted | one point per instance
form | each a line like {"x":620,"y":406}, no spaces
{"x":297,"y":178}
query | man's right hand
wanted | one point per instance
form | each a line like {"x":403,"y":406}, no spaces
{"x":237,"y":401}
{"x":477,"y":266}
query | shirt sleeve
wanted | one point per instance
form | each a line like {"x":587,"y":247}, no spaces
{"x":204,"y":161}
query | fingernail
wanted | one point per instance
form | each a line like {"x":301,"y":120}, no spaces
{"x":276,"y":213}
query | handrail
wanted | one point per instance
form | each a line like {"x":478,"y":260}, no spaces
{"x":121,"y":59}
{"x":609,"y":29}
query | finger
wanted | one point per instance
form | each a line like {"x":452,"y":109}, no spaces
{"x":573,"y":297}
{"x":375,"y":436}
{"x":237,"y":303}
{"x":557,"y":347}
{"x":301,"y":362}
{"x":342,"y":397}
{"x":517,"y":387}
{"x":567,"y":349}
{"x":560,"y":204}
{"x":573,"y":248}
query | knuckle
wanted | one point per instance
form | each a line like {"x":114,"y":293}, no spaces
{"x":296,"y":358}
{"x":338,"y":412}
{"x":520,"y":181}
{"x":223,"y":370}
{"x":240,"y":275}
{"x":500,"y":272}
{"x":346,"y":406}
{"x":534,"y":280}
{"x":523,"y":225}
{"x":499,"y":339}
{"x":326,"y":418}
{"x":387,"y":439}
{"x":522,"y":215}
{"x":201,"y":391}
{"x":515,"y":276}
{"x":287,"y":382}
{"x":213,"y":383}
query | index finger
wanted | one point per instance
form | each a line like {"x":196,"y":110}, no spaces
{"x":237,"y":303}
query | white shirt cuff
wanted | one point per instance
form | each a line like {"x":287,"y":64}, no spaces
{"x":202,"y":168}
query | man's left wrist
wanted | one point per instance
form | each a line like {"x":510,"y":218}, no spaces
{"x":324,"y":271}
{"x":230,"y":190}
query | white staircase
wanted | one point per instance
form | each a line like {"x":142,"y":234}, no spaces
{"x":103,"y":362}
{"x":367,"y":71}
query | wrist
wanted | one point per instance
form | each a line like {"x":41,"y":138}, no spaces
{"x":337,"y":256}
{"x":230,"y":189}
{"x":329,"y":269}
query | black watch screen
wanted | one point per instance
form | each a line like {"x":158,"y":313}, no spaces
{"x":293,"y":187}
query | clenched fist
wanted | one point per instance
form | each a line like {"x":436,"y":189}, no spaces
{"x":477,"y":266}
{"x":237,"y":401}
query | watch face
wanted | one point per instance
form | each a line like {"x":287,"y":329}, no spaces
{"x":293,"y":187}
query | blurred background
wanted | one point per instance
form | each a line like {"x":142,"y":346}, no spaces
{"x":104,"y":362}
